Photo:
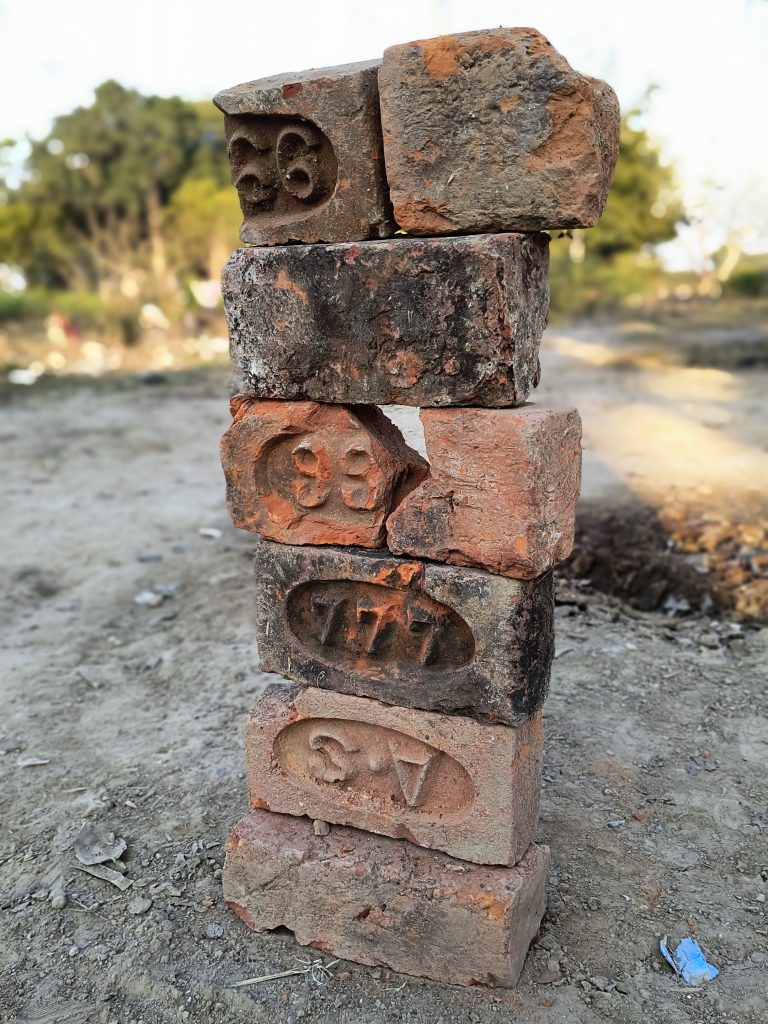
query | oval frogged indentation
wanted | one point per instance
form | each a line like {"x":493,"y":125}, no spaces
{"x":371,"y":765}
{"x":375,"y":627}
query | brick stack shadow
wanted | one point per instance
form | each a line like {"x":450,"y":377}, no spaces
{"x":394,"y":772}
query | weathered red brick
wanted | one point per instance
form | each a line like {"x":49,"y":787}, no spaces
{"x":427,"y":322}
{"x":385,"y":902}
{"x":419,"y":634}
{"x":306,"y":473}
{"x":494,"y":131}
{"x":306,"y":156}
{"x":441,"y":781}
{"x":502,"y":491}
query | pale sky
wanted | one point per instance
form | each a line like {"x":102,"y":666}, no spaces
{"x":709,"y":58}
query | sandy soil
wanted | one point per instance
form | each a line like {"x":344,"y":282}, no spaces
{"x":654,"y":800}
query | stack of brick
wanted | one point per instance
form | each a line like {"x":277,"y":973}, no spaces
{"x":394,"y":782}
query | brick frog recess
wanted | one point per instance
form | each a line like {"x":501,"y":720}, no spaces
{"x":394,"y":769}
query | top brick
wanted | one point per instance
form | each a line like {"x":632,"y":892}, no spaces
{"x":494,"y":131}
{"x":306,"y":156}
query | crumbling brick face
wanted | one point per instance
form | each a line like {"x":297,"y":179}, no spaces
{"x":306,"y":156}
{"x":418,"y":634}
{"x":494,"y":131}
{"x":440,"y":781}
{"x":381,"y":901}
{"x":502,"y":490}
{"x":425,"y":322}
{"x":309,"y":473}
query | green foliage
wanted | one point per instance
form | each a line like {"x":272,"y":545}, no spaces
{"x":128,"y":199}
{"x":199,"y":220}
{"x":642,"y":207}
{"x":91,"y":211}
{"x":603,"y":266}
{"x":750,"y":280}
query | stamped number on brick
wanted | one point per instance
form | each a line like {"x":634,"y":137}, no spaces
{"x":382,"y":765}
{"x":280,"y":165}
{"x":328,"y":470}
{"x":351,"y":622}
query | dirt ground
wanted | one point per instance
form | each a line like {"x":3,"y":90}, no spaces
{"x":129,"y":715}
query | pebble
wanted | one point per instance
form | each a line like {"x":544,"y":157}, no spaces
{"x":549,"y":977}
{"x":139,"y":905}
{"x":321,"y":828}
{"x":58,"y":897}
{"x":711,"y":640}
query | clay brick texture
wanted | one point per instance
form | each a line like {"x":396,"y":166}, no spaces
{"x":383,"y":902}
{"x":494,"y":131}
{"x":408,"y":632}
{"x":306,"y":473}
{"x":425,"y":322}
{"x":306,"y":156}
{"x":441,"y":781}
{"x":502,"y":491}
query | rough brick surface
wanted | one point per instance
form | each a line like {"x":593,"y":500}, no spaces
{"x":494,"y":131}
{"x":502,"y":491}
{"x":441,"y":781}
{"x":306,"y":473}
{"x":438,"y":637}
{"x":427,"y":322}
{"x":306,"y":157}
{"x":386,"y":903}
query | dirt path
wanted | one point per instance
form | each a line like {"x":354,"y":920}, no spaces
{"x":654,"y":803}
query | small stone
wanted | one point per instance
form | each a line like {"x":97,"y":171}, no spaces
{"x":321,"y":828}
{"x":710,"y":640}
{"x":600,"y":982}
{"x":139,"y":905}
{"x":58,"y":897}
{"x":213,"y":931}
{"x":549,"y":977}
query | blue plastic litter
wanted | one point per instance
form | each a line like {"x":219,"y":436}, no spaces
{"x":689,"y":962}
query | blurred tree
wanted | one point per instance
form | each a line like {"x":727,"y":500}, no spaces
{"x":642,"y":207}
{"x":199,"y":223}
{"x":92,"y":208}
{"x":611,"y":260}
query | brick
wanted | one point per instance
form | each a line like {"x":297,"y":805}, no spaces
{"x":306,"y":473}
{"x":440,"y":781}
{"x":502,"y":491}
{"x":494,"y":131}
{"x":426,"y":322}
{"x":306,"y":156}
{"x":419,"y":634}
{"x":384,"y":902}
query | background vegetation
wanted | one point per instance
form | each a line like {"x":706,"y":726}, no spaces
{"x":121,"y":218}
